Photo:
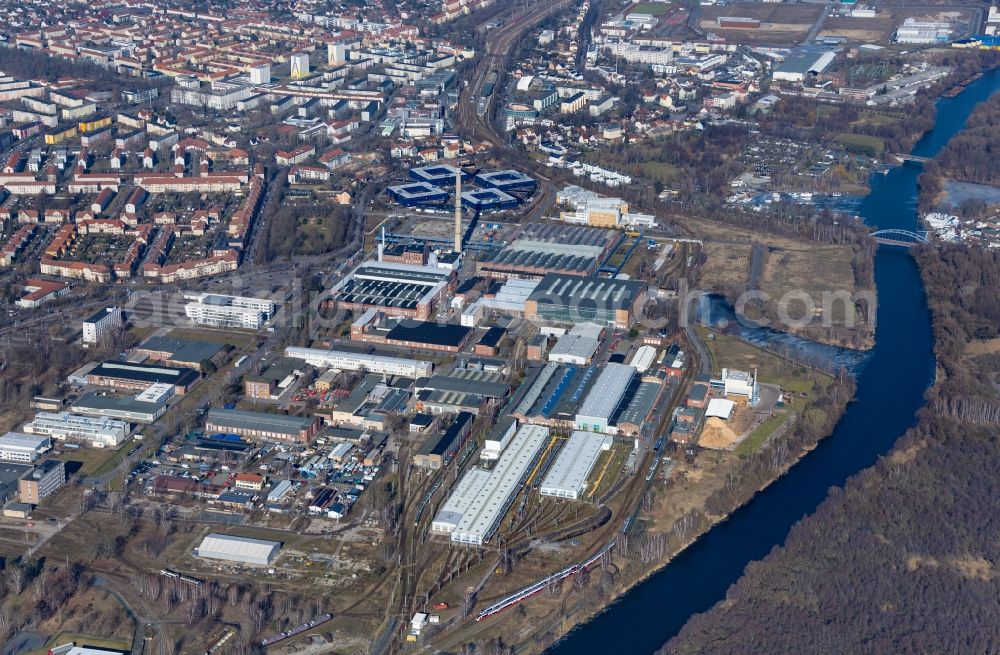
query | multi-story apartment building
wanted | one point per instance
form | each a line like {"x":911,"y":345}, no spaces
{"x":98,"y":327}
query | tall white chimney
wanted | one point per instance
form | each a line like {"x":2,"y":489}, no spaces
{"x":381,"y":244}
{"x":458,"y":210}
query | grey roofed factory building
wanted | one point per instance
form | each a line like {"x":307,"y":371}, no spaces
{"x":449,"y":402}
{"x":21,"y":447}
{"x":487,"y":385}
{"x":352,"y":361}
{"x":243,"y":550}
{"x":436,"y":452}
{"x":126,"y":408}
{"x":9,"y":476}
{"x":262,"y":425}
{"x":574,"y":349}
{"x":605,"y":398}
{"x":401,"y":290}
{"x":797,"y":66}
{"x":569,"y":299}
{"x":429,"y":335}
{"x":126,"y":375}
{"x":545,"y":248}
{"x":568,"y":476}
{"x":484,"y":513}
{"x":639,"y":406}
{"x":462,"y":496}
{"x":548,"y":391}
{"x":188,"y":353}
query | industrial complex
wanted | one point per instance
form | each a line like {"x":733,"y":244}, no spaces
{"x":328,"y":331}
{"x":541,"y":249}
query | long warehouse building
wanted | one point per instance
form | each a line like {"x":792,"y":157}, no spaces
{"x":568,"y":476}
{"x":468,"y":489}
{"x":62,"y":426}
{"x":606,"y":397}
{"x":474,"y":510}
{"x":349,"y":361}
{"x":242,"y":550}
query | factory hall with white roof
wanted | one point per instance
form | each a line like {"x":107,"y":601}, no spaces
{"x":481,"y":498}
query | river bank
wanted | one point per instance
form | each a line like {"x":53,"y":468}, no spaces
{"x":890,"y":391}
{"x":912,"y":533}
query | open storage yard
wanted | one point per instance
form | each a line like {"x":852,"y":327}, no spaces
{"x":780,"y":23}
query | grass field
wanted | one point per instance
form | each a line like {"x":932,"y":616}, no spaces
{"x":862,"y":144}
{"x":730,"y":352}
{"x":651,"y":8}
{"x":757,"y":438}
{"x":790,"y":266}
{"x":92,"y":461}
{"x":726,"y":265}
{"x":877,"y":118}
{"x":780,"y":23}
{"x":317,"y":237}
{"x":814,"y":269}
{"x":869,"y":30}
{"x":661,"y":172}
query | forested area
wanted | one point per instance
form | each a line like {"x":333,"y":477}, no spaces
{"x":301,"y":226}
{"x":971,"y":154}
{"x":900,"y":561}
{"x":903,"y":559}
{"x":805,"y":119}
{"x":962,"y":286}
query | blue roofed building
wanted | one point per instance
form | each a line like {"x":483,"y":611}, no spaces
{"x":417,"y":193}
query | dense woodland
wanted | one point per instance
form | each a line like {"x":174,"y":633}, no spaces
{"x":311,"y":226}
{"x":962,"y":284}
{"x":903,"y":559}
{"x":804,"y":119}
{"x":971,"y":155}
{"x":900,"y":561}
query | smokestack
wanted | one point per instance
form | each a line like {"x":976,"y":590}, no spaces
{"x":458,"y":210}
{"x":381,"y":244}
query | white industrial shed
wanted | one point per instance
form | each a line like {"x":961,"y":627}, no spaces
{"x":643,"y":358}
{"x":243,"y":550}
{"x":568,"y":476}
{"x":574,"y":349}
{"x":468,"y":489}
{"x":492,"y":498}
{"x":351,"y":361}
{"x":604,"y":397}
{"x":720,"y":408}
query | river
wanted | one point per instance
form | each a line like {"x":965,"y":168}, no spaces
{"x":890,"y":390}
